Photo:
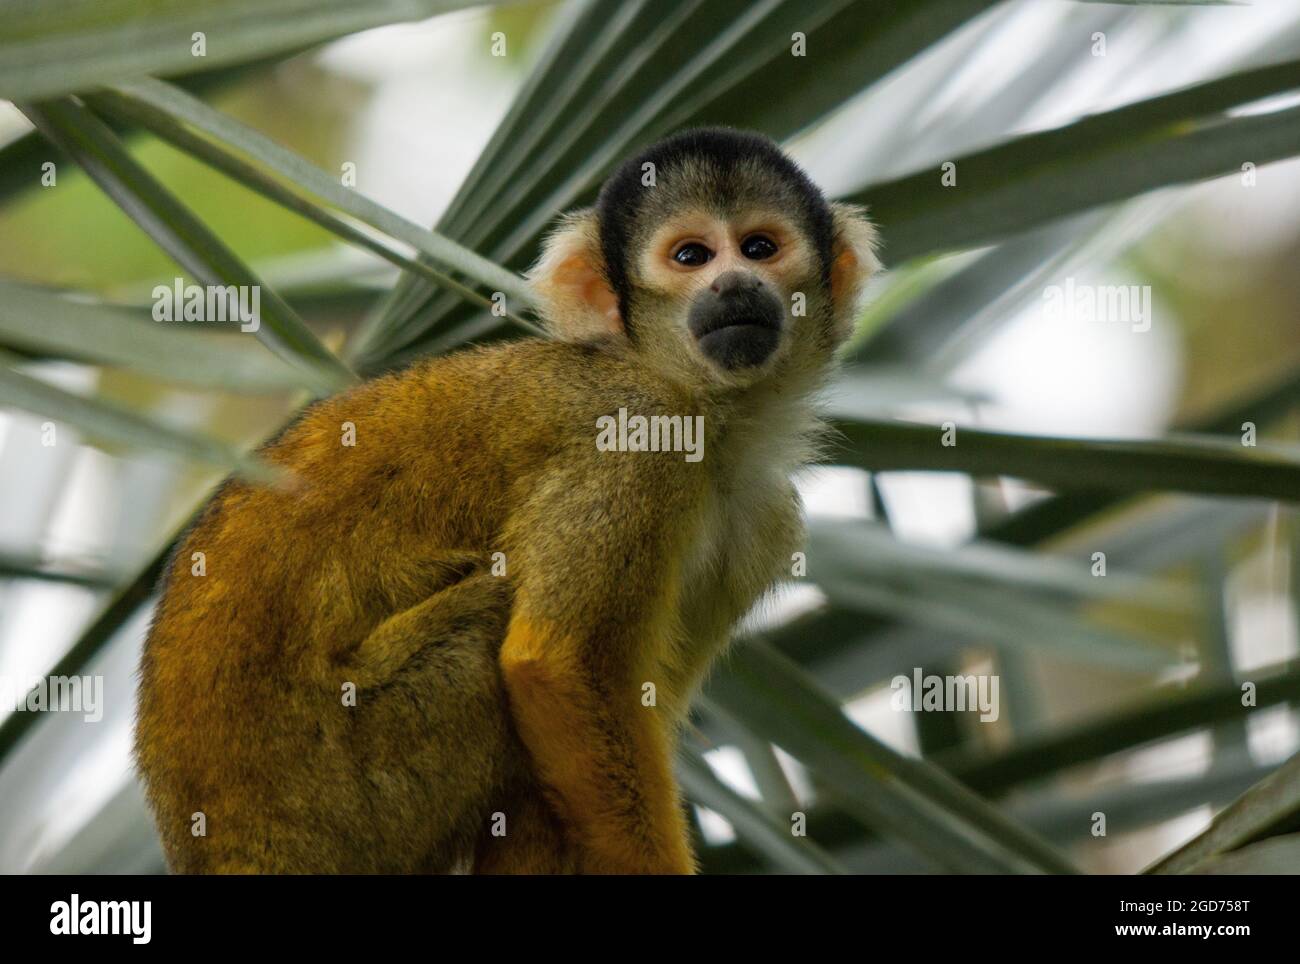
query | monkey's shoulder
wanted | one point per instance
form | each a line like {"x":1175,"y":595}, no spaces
{"x":514,"y":380}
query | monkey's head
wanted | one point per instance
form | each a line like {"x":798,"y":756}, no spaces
{"x":715,"y":257}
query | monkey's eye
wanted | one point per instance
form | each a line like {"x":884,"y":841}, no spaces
{"x":758,"y":247}
{"x":692,"y":255}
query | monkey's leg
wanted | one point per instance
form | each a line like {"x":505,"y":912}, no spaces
{"x":475,"y":600}
{"x":580,"y":651}
{"x":431,"y":738}
{"x":386,"y":768}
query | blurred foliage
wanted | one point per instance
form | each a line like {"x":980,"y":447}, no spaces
{"x":77,"y":238}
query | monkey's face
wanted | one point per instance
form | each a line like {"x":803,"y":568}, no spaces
{"x":714,"y":258}
{"x":726,"y":287}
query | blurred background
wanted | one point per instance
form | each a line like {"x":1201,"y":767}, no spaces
{"x":1120,"y":690}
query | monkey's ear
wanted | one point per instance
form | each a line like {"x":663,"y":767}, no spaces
{"x":853,"y":262}
{"x":569,"y":279}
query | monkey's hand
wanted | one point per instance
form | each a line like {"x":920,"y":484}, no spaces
{"x":595,"y":612}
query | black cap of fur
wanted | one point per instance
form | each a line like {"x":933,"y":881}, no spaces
{"x":723,"y":151}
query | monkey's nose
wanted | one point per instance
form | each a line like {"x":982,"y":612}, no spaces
{"x":736,"y":323}
{"x":734,"y":282}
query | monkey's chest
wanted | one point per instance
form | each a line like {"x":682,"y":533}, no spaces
{"x":741,"y":546}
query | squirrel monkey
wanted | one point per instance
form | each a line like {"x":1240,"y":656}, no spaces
{"x":467,"y":636}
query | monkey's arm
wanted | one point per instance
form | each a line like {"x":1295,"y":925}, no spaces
{"x":594,"y":621}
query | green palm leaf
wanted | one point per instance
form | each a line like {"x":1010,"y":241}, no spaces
{"x":59,"y":48}
{"x":907,"y":798}
{"x":37,"y":321}
{"x":107,"y":420}
{"x":1183,"y":464}
{"x":194,"y":247}
{"x":1179,"y":137}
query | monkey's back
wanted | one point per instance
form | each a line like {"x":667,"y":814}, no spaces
{"x":242,"y":712}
